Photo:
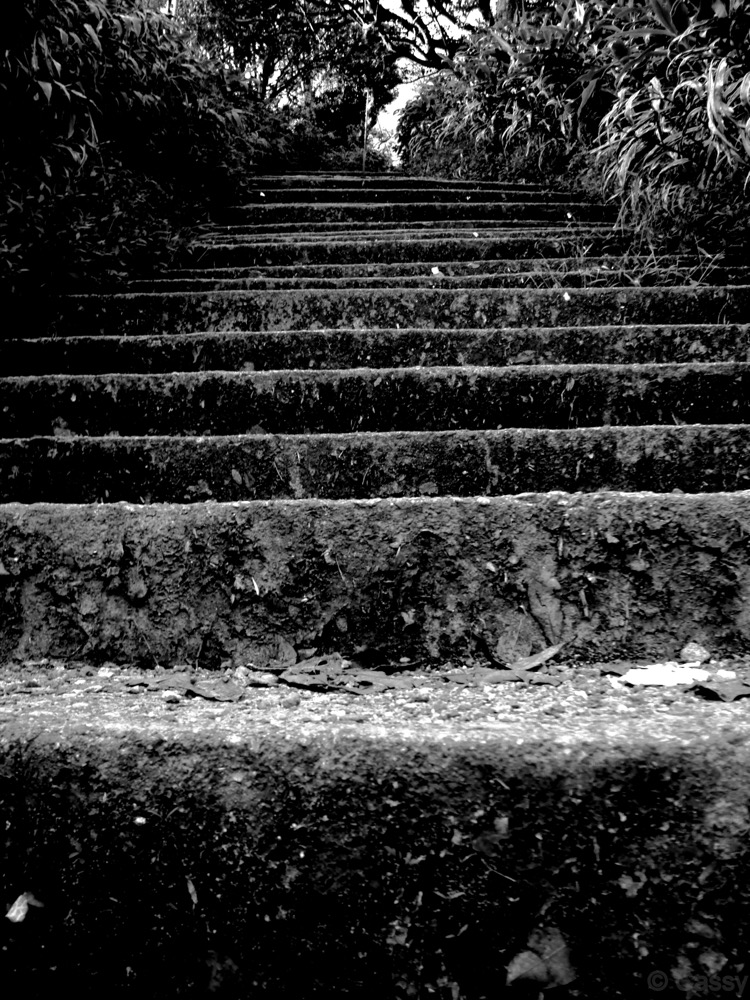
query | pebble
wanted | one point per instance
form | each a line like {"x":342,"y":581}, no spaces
{"x":693,"y":652}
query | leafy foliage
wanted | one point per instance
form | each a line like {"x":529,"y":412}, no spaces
{"x":519,"y":100}
{"x":655,"y":94}
{"x":310,"y":70}
{"x":112,"y":120}
{"x":675,"y":142}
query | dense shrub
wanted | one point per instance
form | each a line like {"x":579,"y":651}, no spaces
{"x":675,"y":141}
{"x":112,"y":124}
{"x":517,"y":101}
{"x":649,"y":101}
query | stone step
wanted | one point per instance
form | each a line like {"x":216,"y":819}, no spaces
{"x":402,"y":843}
{"x":403,"y":247}
{"x":294,"y":213}
{"x":662,"y":459}
{"x":612,"y":574}
{"x":312,"y":182}
{"x":262,"y":194}
{"x":419,"y":841}
{"x":424,"y":229}
{"x":298,"y":309}
{"x":366,"y":399}
{"x":632,"y":268}
{"x":377,"y":348}
{"x":534,"y":278}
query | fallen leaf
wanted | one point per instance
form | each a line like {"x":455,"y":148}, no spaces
{"x":728,"y":690}
{"x":549,"y":946}
{"x":531,"y":662}
{"x":20,"y":908}
{"x":219,"y":689}
{"x":529,"y":966}
{"x":192,"y":892}
{"x":237,"y":477}
{"x":486,"y":675}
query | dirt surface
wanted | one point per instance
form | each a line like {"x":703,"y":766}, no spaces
{"x":569,"y":701}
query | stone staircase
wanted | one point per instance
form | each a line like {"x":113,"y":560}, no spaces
{"x":416,"y":424}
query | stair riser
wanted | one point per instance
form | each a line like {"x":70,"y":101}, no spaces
{"x":632,"y":265}
{"x":330,"y":349}
{"x":211,"y":583}
{"x":393,"y":250}
{"x":191,"y":312}
{"x":416,"y":230}
{"x":415,"y":211}
{"x":333,"y":178}
{"x":381,"y":400}
{"x":547,"y":278}
{"x":372,"y":854}
{"x":267,"y":195}
{"x":336,"y":466}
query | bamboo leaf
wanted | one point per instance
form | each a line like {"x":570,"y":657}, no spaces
{"x":92,"y":35}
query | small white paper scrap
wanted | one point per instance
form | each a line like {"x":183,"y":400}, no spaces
{"x":667,"y":674}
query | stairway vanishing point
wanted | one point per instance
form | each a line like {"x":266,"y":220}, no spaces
{"x":413,"y":423}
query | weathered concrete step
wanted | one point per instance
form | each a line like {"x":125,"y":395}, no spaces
{"x":412,"y":211}
{"x":633,"y":266}
{"x":403,"y":248}
{"x":223,"y":851}
{"x":313,"y":181}
{"x":425,"y":229}
{"x":365,"y":399}
{"x":337,"y":194}
{"x":692,"y":459}
{"x":613,"y":574}
{"x":544,"y":277}
{"x":377,"y":348}
{"x":298,"y":309}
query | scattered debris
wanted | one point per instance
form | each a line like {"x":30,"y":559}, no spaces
{"x":20,"y":908}
{"x":546,"y":960}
